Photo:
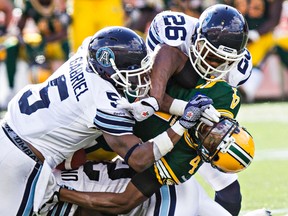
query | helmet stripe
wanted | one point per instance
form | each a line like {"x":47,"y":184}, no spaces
{"x":240,"y":154}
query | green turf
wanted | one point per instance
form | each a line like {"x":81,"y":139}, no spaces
{"x":265,"y":183}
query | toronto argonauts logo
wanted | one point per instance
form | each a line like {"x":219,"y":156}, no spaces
{"x":103,"y":55}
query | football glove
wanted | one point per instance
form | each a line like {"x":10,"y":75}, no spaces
{"x":194,"y":110}
{"x":141,"y":109}
{"x":210,"y":115}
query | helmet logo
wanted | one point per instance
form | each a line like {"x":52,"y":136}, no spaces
{"x":207,"y":19}
{"x":103,"y":55}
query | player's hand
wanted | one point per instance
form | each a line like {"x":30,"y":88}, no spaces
{"x":141,"y":109}
{"x":194,"y":110}
{"x":210,"y":115}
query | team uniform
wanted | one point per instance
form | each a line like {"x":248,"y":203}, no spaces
{"x":179,"y":193}
{"x":114,"y":177}
{"x":183,"y":161}
{"x":57,"y":117}
{"x":176,"y":29}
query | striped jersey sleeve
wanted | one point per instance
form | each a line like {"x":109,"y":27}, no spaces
{"x":153,"y":38}
{"x":113,"y":124}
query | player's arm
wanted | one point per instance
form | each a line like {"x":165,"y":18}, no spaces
{"x":141,"y":155}
{"x":110,"y":203}
{"x":168,"y":62}
{"x":135,"y":194}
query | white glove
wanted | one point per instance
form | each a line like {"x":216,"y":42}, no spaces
{"x":141,"y":109}
{"x":210,"y":115}
{"x":46,"y":191}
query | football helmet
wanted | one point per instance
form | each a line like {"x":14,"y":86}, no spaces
{"x":226,"y":145}
{"x":219,"y":41}
{"x":119,"y":56}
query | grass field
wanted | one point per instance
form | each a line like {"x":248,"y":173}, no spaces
{"x":265,"y":183}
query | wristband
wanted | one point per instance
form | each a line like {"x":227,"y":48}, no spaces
{"x":163,"y":143}
{"x":179,"y":129}
{"x":177,"y":107}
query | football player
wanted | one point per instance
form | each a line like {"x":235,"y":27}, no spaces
{"x":214,"y":48}
{"x":77,"y":104}
{"x":226,"y":146}
{"x":226,"y":99}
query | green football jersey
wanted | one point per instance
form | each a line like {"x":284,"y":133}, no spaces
{"x":183,"y":161}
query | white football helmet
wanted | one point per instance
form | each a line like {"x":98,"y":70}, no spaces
{"x":221,"y":38}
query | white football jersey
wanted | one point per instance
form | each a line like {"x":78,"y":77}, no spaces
{"x":184,"y":199}
{"x":177,"y":29}
{"x":67,"y":111}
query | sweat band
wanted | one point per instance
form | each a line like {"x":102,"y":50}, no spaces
{"x":163,"y":143}
{"x":177,"y":107}
{"x":177,"y":128}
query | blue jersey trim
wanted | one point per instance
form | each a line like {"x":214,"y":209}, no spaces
{"x":153,"y":39}
{"x":113,"y":124}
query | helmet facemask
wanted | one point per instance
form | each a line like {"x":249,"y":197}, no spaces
{"x":202,"y":51}
{"x":135,"y":82}
{"x":220,"y":34}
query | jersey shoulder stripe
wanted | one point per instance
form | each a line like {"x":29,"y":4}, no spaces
{"x":153,"y":38}
{"x":114,"y":124}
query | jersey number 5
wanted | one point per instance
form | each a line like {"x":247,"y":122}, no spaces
{"x":27,"y":109}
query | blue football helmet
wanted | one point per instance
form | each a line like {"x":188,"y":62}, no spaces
{"x":119,"y":56}
{"x":221,"y":36}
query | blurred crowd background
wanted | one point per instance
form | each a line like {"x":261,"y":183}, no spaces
{"x":37,"y":36}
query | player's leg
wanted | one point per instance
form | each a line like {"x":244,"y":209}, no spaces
{"x":207,"y":206}
{"x":175,"y":200}
{"x":227,"y":188}
{"x":18,"y":178}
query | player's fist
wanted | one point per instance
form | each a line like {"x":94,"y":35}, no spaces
{"x":141,"y":109}
{"x":194,"y":109}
